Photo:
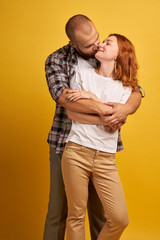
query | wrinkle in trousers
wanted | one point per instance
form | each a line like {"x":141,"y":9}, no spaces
{"x":79,"y":165}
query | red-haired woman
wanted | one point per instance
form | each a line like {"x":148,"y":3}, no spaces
{"x":90,"y":149}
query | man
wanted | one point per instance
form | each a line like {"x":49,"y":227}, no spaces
{"x":60,"y":68}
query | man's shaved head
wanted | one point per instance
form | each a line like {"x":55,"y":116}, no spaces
{"x":83,"y":35}
{"x":78,"y":23}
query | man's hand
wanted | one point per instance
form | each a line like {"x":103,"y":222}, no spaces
{"x":118,"y":113}
{"x":117,"y":126}
{"x":121,"y":111}
{"x":114,"y":127}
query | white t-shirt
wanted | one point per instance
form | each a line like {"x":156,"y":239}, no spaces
{"x":107,"y":90}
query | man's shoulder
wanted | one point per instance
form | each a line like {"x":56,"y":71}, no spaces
{"x":62,"y":53}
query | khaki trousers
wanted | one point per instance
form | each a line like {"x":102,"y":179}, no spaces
{"x":79,"y":164}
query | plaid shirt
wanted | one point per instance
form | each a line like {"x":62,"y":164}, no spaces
{"x":60,"y":68}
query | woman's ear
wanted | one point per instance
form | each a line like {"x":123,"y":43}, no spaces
{"x":116,"y":57}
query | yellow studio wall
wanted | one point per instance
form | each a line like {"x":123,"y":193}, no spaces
{"x":30,"y":31}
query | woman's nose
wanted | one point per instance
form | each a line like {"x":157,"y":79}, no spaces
{"x":102,"y":45}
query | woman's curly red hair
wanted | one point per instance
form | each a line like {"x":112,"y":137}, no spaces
{"x":126,"y":63}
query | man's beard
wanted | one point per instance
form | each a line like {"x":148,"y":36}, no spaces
{"x":86,"y":55}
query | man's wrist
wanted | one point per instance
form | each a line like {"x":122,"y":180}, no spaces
{"x":103,"y":109}
{"x":99,"y":108}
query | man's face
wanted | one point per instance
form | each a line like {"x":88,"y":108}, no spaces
{"x":87,"y":44}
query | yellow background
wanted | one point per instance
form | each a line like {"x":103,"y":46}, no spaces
{"x":30,"y":31}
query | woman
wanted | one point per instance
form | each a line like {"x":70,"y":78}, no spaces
{"x":90,"y":149}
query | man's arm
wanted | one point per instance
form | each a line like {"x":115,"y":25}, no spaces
{"x":90,"y":119}
{"x":84,"y":105}
{"x":57,"y":80}
{"x":118,"y":113}
{"x":121,"y":111}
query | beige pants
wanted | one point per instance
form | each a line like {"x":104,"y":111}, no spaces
{"x":79,"y":164}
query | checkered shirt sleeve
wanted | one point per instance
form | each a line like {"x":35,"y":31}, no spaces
{"x":56,"y":76}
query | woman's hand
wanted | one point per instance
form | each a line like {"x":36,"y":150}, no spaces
{"x":75,"y":95}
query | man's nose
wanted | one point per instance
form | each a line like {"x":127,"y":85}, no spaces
{"x":97,"y":43}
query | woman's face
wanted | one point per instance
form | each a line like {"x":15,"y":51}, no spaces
{"x":108,"y":50}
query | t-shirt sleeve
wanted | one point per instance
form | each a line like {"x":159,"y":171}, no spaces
{"x":76,"y":82}
{"x":126,"y":94}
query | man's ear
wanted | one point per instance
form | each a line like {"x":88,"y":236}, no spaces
{"x":72,"y":44}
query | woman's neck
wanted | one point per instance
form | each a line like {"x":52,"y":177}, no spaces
{"x":105,"y":69}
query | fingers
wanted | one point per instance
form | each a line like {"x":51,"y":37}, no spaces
{"x":116,"y":120}
{"x":72,"y":91}
{"x":117,"y":126}
{"x":73,"y":95}
{"x":112,"y":119}
{"x":109,"y":120}
{"x":114,"y":128}
{"x":113,"y":122}
{"x":111,"y":104}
